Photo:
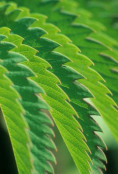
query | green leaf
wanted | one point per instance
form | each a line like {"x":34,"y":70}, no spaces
{"x":62,"y":112}
{"x":85,"y":28}
{"x":72,"y":32}
{"x":15,"y":123}
{"x":37,"y":120}
{"x":72,"y":68}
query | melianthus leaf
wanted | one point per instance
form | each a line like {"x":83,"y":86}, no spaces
{"x":97,"y":141}
{"x":13,"y":116}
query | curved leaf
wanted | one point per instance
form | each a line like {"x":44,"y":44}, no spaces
{"x":16,"y":125}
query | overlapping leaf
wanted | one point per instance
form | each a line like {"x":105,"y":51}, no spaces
{"x":105,"y":54}
{"x":42,"y":44}
{"x":13,"y":116}
{"x":40,"y":131}
{"x":62,"y":112}
{"x":53,"y":10}
{"x":108,"y":15}
{"x":58,"y":57}
{"x":72,"y":31}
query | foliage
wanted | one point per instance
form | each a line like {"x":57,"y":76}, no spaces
{"x":63,"y":69}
